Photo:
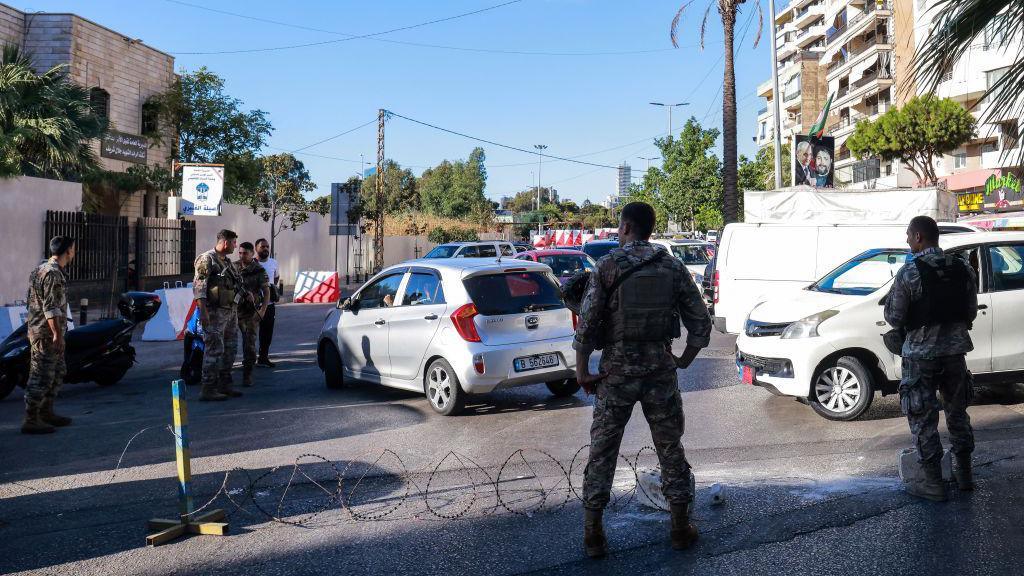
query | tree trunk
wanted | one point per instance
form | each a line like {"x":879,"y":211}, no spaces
{"x":273,"y":228}
{"x":729,"y":168}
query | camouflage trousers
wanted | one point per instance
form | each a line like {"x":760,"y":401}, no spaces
{"x":220,"y":340}
{"x":659,"y":398}
{"x":46,"y":370}
{"x":249,"y":326}
{"x":922,"y":378}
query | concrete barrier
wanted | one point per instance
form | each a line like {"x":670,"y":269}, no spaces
{"x":176,"y":305}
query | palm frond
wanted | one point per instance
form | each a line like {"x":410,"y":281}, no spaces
{"x":760,"y":24}
{"x":673,"y":31}
{"x":704,"y":26}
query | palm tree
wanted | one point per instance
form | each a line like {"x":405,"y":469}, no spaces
{"x":959,"y":24}
{"x":46,"y":122}
{"x":728,"y":10}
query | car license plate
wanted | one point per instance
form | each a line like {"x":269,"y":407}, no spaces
{"x":747,"y":375}
{"x":534,"y":362}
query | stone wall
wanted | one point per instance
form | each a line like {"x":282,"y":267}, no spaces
{"x":23,"y":205}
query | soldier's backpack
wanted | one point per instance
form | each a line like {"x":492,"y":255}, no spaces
{"x":945,"y":295}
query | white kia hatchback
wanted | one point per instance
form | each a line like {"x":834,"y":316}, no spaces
{"x":452,"y":327}
{"x":823,"y":343}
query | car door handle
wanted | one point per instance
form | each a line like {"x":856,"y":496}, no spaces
{"x":430,"y":317}
{"x":379,"y":322}
{"x":982,"y":306}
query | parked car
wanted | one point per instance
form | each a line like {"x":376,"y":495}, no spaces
{"x":694,"y":254}
{"x":481,"y":249}
{"x":521,"y":247}
{"x":709,"y":284}
{"x":563,"y":262}
{"x":712,"y":236}
{"x":598,"y":248}
{"x":452,"y":327}
{"x":757,"y":261}
{"x":824,"y":343}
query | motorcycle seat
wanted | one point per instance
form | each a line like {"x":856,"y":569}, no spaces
{"x":94,"y":335}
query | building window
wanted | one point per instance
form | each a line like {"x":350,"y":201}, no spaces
{"x":99,"y":101}
{"x":150,"y":118}
{"x":959,"y":159}
{"x":997,"y":34}
{"x":764,"y":129}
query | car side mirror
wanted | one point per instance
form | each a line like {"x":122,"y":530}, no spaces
{"x":349,"y":304}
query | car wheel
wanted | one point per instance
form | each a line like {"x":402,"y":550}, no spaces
{"x":334,"y":376}
{"x":843,"y":390}
{"x":443,"y":389}
{"x":563,"y":388}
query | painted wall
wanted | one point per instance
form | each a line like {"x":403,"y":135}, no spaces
{"x":23,"y":205}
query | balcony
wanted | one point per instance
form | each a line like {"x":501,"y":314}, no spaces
{"x":852,"y":23}
{"x":808,"y":14}
{"x":790,"y":96}
{"x":835,"y":33}
{"x":764,"y":89}
{"x":1002,"y":158}
{"x":867,"y":79}
{"x":762,"y":111}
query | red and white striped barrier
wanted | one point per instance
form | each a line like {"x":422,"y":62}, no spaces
{"x":177,"y":304}
{"x":313,"y":286}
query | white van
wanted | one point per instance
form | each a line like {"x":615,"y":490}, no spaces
{"x":824,"y":343}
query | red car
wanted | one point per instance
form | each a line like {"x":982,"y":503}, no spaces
{"x":564,"y":263}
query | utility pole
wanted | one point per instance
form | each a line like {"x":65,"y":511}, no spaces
{"x":776,"y":141}
{"x":670,"y":107}
{"x":378,"y":228}
{"x":540,"y":162}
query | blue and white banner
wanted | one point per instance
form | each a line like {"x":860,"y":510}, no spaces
{"x":202,"y":190}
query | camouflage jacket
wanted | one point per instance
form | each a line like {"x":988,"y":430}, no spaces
{"x":47,"y":297}
{"x":638,"y":359}
{"x":212,"y":269}
{"x":254,"y":280}
{"x":927,"y":341}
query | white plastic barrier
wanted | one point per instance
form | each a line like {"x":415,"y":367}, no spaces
{"x":176,"y":305}
{"x":12,"y":317}
{"x":317,"y":286}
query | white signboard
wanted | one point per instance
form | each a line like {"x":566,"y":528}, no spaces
{"x":202,"y":189}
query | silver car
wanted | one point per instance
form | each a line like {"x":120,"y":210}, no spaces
{"x":452,"y":327}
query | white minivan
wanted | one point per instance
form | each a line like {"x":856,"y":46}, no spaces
{"x":756,"y":262}
{"x":823,"y":342}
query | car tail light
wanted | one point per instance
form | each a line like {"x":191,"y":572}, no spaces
{"x":575,"y":320}
{"x":463,"y":321}
{"x":714,"y":285}
{"x":478,"y":364}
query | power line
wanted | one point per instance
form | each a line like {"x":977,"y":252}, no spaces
{"x":436,"y":46}
{"x":357,"y":37}
{"x":349,"y":131}
{"x":493,"y":143}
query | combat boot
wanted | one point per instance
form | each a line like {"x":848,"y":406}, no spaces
{"x":929,"y":485}
{"x":247,"y":376}
{"x":47,"y":415}
{"x":209,"y":394}
{"x":963,"y":474}
{"x":683,"y":534}
{"x":594,"y":542}
{"x":33,"y":425}
{"x":227,"y":387}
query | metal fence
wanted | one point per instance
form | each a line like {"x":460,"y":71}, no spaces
{"x":101,"y":242}
{"x":164,"y":247}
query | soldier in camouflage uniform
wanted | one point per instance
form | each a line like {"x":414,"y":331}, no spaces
{"x":255,"y":299}
{"x":217,"y":291}
{"x":936,"y":318}
{"x":47,"y":324}
{"x":633,"y":306}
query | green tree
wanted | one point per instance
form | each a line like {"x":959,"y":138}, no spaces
{"x":106,"y":191}
{"x":400,"y":193}
{"x":454,"y":189}
{"x":690,"y":176}
{"x":728,"y":10}
{"x":959,"y":27}
{"x":917,"y":134}
{"x":202,"y":123}
{"x":526,"y":200}
{"x":759,"y":173}
{"x":280,"y":198}
{"x":46,"y":122}
{"x":650,"y":195}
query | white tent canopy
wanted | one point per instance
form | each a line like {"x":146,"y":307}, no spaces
{"x":806,"y":204}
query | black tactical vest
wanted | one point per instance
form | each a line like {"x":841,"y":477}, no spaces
{"x":646,"y":303}
{"x":945,"y":296}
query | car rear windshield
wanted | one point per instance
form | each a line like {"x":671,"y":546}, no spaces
{"x":691,"y":253}
{"x":513,"y":293}
{"x":596,"y":251}
{"x":567,"y":264}
{"x":442,"y":252}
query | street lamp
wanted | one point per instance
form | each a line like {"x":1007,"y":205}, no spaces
{"x":540,"y":162}
{"x":648,"y":160}
{"x":670,"y":107}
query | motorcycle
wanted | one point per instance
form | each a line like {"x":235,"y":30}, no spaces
{"x":100,"y":352}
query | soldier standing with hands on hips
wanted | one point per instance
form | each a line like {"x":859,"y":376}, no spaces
{"x":217,"y":289}
{"x":933,"y":302}
{"x":633,"y":306}
{"x":47,"y":324}
{"x":255,"y":299}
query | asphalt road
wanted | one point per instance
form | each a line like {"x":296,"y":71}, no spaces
{"x":492,"y":491}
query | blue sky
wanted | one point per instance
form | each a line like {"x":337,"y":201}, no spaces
{"x":576,"y":105}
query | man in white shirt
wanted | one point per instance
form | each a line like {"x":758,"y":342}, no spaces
{"x":276,"y":287}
